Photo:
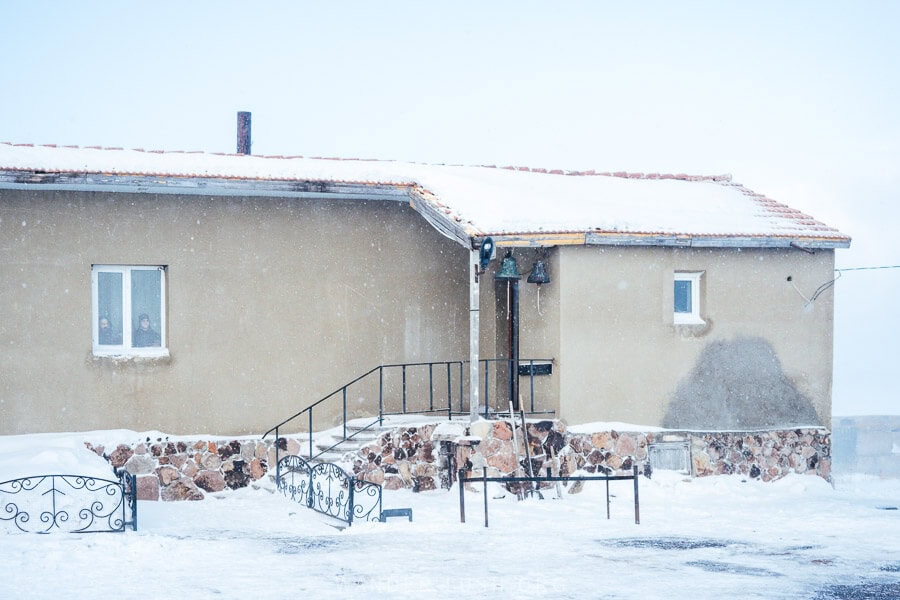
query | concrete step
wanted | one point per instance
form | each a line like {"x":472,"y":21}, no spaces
{"x":363,"y":431}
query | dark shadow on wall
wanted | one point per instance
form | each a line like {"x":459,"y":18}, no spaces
{"x":738,"y":385}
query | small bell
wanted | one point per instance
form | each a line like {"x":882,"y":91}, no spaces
{"x":508,"y":269}
{"x":538,"y":273}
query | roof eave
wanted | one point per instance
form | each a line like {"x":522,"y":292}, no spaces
{"x":200,"y":186}
{"x":717,"y":240}
{"x":593,"y":238}
{"x":429,"y":206}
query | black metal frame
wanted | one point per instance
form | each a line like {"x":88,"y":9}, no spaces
{"x":437,"y":403}
{"x":72,"y":503}
{"x":533,"y":480}
{"x":328,"y":489}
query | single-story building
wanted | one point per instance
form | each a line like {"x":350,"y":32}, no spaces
{"x":194,"y":292}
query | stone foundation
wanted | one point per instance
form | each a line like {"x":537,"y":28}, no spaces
{"x":403,"y":458}
{"x":180,"y":470}
{"x":428,"y":457}
{"x":767,"y":455}
{"x":407,"y":458}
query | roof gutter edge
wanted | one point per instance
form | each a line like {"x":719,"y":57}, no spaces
{"x":200,"y":186}
{"x":718,"y":241}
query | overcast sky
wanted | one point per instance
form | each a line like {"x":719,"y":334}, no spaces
{"x":797,"y":100}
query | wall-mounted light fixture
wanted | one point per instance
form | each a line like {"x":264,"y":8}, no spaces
{"x":485,"y":256}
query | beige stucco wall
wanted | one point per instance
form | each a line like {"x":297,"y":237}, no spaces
{"x":272,"y":303}
{"x":621,"y":358}
{"x":275,"y":302}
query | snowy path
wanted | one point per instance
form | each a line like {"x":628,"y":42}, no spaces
{"x":706,"y":538}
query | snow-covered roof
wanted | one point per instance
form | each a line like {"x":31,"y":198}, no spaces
{"x":516,"y":205}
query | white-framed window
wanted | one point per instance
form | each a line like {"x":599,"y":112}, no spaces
{"x":687,"y":298}
{"x":129,"y":310}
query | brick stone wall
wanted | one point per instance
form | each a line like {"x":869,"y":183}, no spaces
{"x":408,"y":457}
{"x":767,"y":455}
{"x":402,"y":458}
{"x":427,"y":457}
{"x":187,"y":470}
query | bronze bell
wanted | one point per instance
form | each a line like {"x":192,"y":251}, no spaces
{"x":508,"y":269}
{"x":538,"y":273}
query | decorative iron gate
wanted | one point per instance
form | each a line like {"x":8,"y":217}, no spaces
{"x":328,"y":489}
{"x":71,"y":503}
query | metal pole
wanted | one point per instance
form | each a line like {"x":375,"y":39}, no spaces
{"x":461,"y":379}
{"x":404,"y":388}
{"x":133,"y":501}
{"x":487,"y":368}
{"x":607,"y":497}
{"x":449,"y":389}
{"x":277,"y":462}
{"x":484,"y":481}
{"x":462,"y":495}
{"x":514,"y":350}
{"x":310,"y":433}
{"x":637,"y":504}
{"x":350,"y":502}
{"x":474,"y":333}
{"x":450,"y":395}
{"x":531,"y":380}
{"x":430,"y":388}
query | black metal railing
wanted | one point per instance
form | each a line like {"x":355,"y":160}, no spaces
{"x":532,"y":482}
{"x":412,"y":388}
{"x":71,"y":503}
{"x":329,"y":490}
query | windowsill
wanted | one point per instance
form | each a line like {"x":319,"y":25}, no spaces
{"x":148,"y":354}
{"x":688,"y":320}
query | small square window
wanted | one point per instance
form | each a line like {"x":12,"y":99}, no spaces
{"x":129,"y":310}
{"x":686,"y":293}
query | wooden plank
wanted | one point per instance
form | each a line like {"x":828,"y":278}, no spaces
{"x":539,"y":240}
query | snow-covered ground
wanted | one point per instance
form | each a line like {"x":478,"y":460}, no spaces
{"x":717,"y":537}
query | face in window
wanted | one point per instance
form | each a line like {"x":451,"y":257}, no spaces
{"x":107,"y":335}
{"x":145,"y":335}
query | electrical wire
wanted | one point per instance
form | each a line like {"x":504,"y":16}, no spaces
{"x":868,"y":268}
{"x":799,"y":292}
{"x":839,"y":272}
{"x":823,"y":287}
{"x":818,"y":291}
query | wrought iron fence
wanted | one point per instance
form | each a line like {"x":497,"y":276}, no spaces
{"x":328,"y":489}
{"x":69,"y":503}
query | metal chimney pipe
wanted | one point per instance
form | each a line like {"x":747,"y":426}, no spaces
{"x":243,"y":132}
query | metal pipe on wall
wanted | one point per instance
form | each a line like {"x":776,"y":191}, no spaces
{"x":474,"y":333}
